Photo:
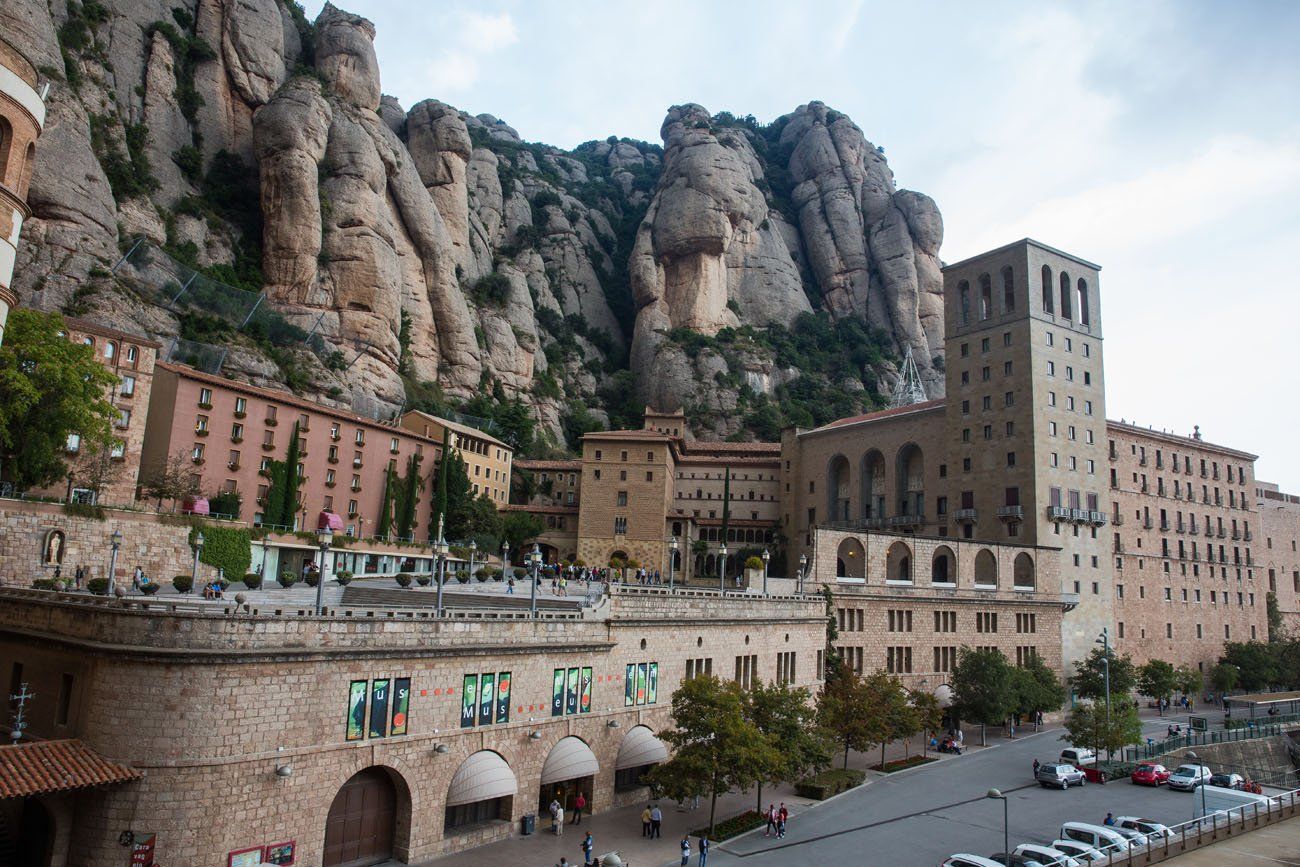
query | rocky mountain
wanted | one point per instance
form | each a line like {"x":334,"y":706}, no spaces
{"x":753,"y":274}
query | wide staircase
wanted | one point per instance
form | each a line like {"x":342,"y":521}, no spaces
{"x":362,"y":596}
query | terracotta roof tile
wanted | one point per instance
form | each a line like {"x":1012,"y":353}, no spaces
{"x":39,"y":767}
{"x":572,"y":465}
{"x":882,"y":413}
{"x":717,"y":447}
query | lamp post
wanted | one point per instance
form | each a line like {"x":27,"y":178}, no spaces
{"x":198,"y":550}
{"x":440,"y":563}
{"x":1191,"y":754}
{"x":722,"y":567}
{"x":324,"y":537}
{"x":767,"y":556}
{"x":536,"y":556}
{"x":1104,"y":641}
{"x":473,"y":549}
{"x":116,"y":541}
{"x":803,"y":567}
{"x":672,"y":557}
{"x":925,"y":735}
{"x":994,"y":794}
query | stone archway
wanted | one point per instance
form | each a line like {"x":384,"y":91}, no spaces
{"x":850,"y":560}
{"x":361,"y":828}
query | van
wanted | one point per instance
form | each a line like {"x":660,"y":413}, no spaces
{"x":1078,"y":756}
{"x":970,"y":861}
{"x":1231,"y":801}
{"x":1108,"y":840}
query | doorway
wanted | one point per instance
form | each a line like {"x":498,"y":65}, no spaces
{"x":362,"y":821}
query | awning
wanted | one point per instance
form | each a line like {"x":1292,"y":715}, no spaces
{"x":944,"y":694}
{"x":481,"y":777}
{"x":42,"y":767}
{"x":640,"y":747}
{"x":569,"y":760}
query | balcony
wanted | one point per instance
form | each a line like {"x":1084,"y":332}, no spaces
{"x":1117,"y":519}
{"x":1221,"y":533}
{"x":1193,"y":530}
{"x":334,"y":435}
{"x":333,"y":459}
{"x":1079,"y":516}
{"x":1058,"y":513}
{"x":1147,"y":524}
{"x":966,"y":516}
{"x":1142,"y":461}
{"x":239,"y":413}
{"x":271,"y":422}
{"x":1164,"y":526}
{"x":1236,"y":536}
{"x":1096,"y":518}
{"x":268,"y":447}
{"x":355,"y":487}
{"x":356,"y":463}
{"x":1180,"y":528}
{"x":1248,"y":536}
{"x":1011,"y":513}
{"x":200,"y":431}
{"x":1144,"y":489}
{"x":907,"y":522}
{"x":1119,"y":547}
{"x":232,"y":465}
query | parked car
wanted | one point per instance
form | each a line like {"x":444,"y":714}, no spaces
{"x":1227,"y":781}
{"x":1014,"y":860}
{"x":1107,"y":839}
{"x":1187,"y":777}
{"x":1059,"y":775}
{"x":1078,"y":756}
{"x":969,"y":861}
{"x":1048,"y":856}
{"x":1152,"y":829}
{"x":1148,"y":774}
{"x":1079,"y":850}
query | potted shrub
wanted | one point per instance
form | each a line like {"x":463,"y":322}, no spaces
{"x":483,"y":574}
{"x":462,"y":577}
{"x":98,"y":586}
{"x":312,"y":578}
{"x":287,"y":579}
{"x":344,"y":577}
{"x":753,"y":570}
{"x":424,"y":580}
{"x":45,"y":584}
{"x":149,"y":588}
{"x":252,"y":581}
{"x":183,"y":583}
{"x":403,"y":579}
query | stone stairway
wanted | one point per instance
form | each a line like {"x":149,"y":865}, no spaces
{"x":427,"y":597}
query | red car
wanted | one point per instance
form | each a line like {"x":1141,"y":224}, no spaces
{"x":1150,"y":775}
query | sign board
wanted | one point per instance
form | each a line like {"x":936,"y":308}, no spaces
{"x":142,"y":850}
{"x":1198,"y":723}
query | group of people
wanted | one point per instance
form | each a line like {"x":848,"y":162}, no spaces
{"x":953,"y":742}
{"x":652,"y":819}
{"x":557,"y":814}
{"x":776,"y":817}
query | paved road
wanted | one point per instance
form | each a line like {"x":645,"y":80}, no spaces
{"x":924,"y":815}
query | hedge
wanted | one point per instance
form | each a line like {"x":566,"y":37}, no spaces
{"x":403,"y":579}
{"x":903,"y":764}
{"x":728,"y":828}
{"x":226,"y":548}
{"x":287,"y":579}
{"x":827,"y":783}
{"x":98,"y":586}
{"x":149,"y":589}
{"x":183,"y":583}
{"x":252,"y":580}
{"x":46,"y":584}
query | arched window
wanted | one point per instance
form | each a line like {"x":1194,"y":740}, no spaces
{"x":963,"y":293}
{"x":1065,"y":296}
{"x":6,"y":145}
{"x":838,"y":489}
{"x":898,"y":563}
{"x":850,"y":560}
{"x":873,"y":485}
{"x":1084,"y":316}
{"x":110,"y":350}
{"x":986,"y":297}
{"x":986,"y":569}
{"x":1047,"y":289}
{"x":1008,"y":290}
{"x":1023,"y":572}
{"x":943,"y":569}
{"x":910,"y":476}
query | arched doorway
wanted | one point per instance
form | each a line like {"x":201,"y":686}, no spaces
{"x":26,"y":833}
{"x":837,"y":488}
{"x":362,"y":821}
{"x":640,"y":752}
{"x":570,"y":768}
{"x":910,"y":477}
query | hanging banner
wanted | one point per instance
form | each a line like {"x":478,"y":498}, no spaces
{"x":557,"y":693}
{"x":379,"y":696}
{"x":469,"y":701}
{"x":571,"y":703}
{"x":652,"y":686}
{"x":640,"y":683}
{"x":487,"y":690}
{"x":356,"y":710}
{"x":142,"y":850}
{"x":401,"y":705}
{"x":584,"y":697}
{"x":629,"y":686}
{"x":503,"y":697}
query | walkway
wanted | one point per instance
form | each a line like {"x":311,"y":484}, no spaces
{"x":1276,"y":844}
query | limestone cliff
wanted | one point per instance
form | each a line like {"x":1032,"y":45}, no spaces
{"x":440,"y":258}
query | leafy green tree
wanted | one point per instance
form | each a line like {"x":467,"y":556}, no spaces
{"x":1254,"y":661}
{"x":982,"y":686}
{"x":929,"y":713}
{"x":1090,"y":675}
{"x":441,"y":495}
{"x":1158,"y":679}
{"x":1036,"y":688}
{"x":845,"y":714}
{"x":384,"y":523}
{"x":716,"y":747}
{"x":282,"y":500}
{"x":1275,"y":627}
{"x":1189,"y":681}
{"x":888,"y":697}
{"x":785,"y":715}
{"x":173,"y":480}
{"x":1087,"y":724}
{"x":406,"y":497}
{"x":520,"y":528}
{"x":1224,"y":677}
{"x":50,"y":388}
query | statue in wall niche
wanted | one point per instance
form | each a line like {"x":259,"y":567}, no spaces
{"x":52,"y":550}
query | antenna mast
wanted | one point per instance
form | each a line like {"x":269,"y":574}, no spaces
{"x":909,"y":389}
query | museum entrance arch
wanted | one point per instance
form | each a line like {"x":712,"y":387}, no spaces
{"x":362,"y":821}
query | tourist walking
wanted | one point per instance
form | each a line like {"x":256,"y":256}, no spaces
{"x":686,"y":849}
{"x":781,"y":815}
{"x":656,"y":821}
{"x":587,"y":845}
{"x":704,"y":849}
{"x":510,"y":586}
{"x":554,"y":809}
{"x":579,"y":803}
{"x":645,"y":821}
{"x":559,"y":821}
{"x":770,"y":815}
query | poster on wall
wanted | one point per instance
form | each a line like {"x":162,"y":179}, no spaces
{"x":401,"y":705}
{"x":629,"y":686}
{"x":571,"y":698}
{"x":557,"y":693}
{"x":379,"y":696}
{"x":652,"y":685}
{"x":142,"y":850}
{"x":244,"y":857}
{"x":280,"y":853}
{"x":356,"y":710}
{"x":469,"y":701}
{"x":584,"y":698}
{"x":503,"y":697}
{"x":640,"y":682}
{"x":487,"y":689}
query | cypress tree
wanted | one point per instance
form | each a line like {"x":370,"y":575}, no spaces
{"x":385,"y":507}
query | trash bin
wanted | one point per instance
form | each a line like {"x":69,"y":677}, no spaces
{"x":530,"y":823}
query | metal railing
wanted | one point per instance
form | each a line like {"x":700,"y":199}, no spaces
{"x":1252,"y":731}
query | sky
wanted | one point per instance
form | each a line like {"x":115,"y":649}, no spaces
{"x":1158,"y":139}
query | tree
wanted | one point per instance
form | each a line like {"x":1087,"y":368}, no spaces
{"x":1224,"y":677}
{"x":982,"y":686}
{"x":1090,"y":675}
{"x":282,"y":502}
{"x":173,"y":480}
{"x":1158,"y":679}
{"x":94,"y":467}
{"x":899,"y":720}
{"x":1189,"y":681}
{"x":716,"y":748}
{"x":519,"y":528}
{"x":1087,"y":724}
{"x":844,"y":713}
{"x":384,"y":523}
{"x":1036,"y":688}
{"x":50,"y":388}
{"x":407,"y":497}
{"x":438,"y":519}
{"x":831,"y":665}
{"x":1254,"y":661}
{"x":1276,"y":630}
{"x":784,"y":714}
{"x":929,"y":714}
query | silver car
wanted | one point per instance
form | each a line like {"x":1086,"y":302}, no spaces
{"x":1059,"y":775}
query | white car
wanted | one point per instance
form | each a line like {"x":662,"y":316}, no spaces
{"x":1153,"y":830}
{"x":1048,"y":855}
{"x":1081,"y":852}
{"x":970,"y":861}
{"x":1188,"y":777}
{"x":1079,"y":756}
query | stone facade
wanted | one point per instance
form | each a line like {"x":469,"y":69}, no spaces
{"x":1278,"y":558}
{"x":487,"y":459}
{"x":215,"y":703}
{"x":22,"y":117}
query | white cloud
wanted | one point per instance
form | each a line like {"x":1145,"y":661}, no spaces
{"x":457,"y":64}
{"x":488,"y":33}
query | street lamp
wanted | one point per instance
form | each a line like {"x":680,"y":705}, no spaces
{"x":803,"y":568}
{"x":116,"y":540}
{"x":1191,"y":754}
{"x":767,"y":556}
{"x":198,"y":550}
{"x":672,"y":557}
{"x":440,"y":563}
{"x":1104,"y":641}
{"x":722,"y":567}
{"x":994,"y":794}
{"x":324,"y":537}
{"x":537,"y":562}
{"x":473,"y":549}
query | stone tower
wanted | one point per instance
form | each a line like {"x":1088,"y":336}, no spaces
{"x":22,"y":115}
{"x":1027,"y":418}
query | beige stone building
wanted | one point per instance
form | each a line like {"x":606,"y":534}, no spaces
{"x":487,"y":459}
{"x":22,"y":117}
{"x":1276,"y":550}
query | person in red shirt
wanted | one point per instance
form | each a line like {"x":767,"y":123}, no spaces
{"x":579,"y":804}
